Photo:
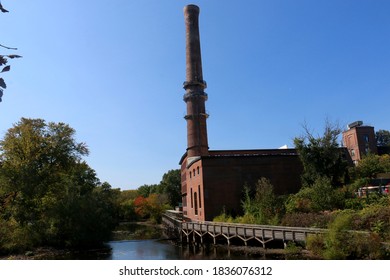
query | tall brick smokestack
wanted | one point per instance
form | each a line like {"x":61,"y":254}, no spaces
{"x":195,"y":97}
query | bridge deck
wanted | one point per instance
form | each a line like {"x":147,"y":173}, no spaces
{"x":262,"y":233}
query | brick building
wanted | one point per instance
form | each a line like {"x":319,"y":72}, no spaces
{"x":359,"y":140}
{"x":213,"y":181}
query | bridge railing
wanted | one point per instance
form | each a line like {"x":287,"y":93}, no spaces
{"x":263,"y":233}
{"x":249,"y":231}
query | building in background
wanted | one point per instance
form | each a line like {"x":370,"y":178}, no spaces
{"x":359,"y":140}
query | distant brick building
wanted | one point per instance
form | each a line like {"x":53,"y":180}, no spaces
{"x":213,"y":181}
{"x":359,"y":140}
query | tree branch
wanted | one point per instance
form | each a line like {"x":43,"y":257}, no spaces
{"x":8,"y":48}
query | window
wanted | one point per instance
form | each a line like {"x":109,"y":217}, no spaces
{"x":192,"y":200}
{"x":194,"y":172}
{"x":352,"y":152}
{"x":196,"y":203}
{"x":198,"y":169}
{"x":200,"y":199}
{"x":190,"y":174}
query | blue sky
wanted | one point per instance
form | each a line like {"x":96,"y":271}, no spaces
{"x":113,"y":70}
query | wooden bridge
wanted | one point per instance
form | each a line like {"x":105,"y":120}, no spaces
{"x":197,"y":232}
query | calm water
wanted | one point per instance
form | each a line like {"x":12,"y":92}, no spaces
{"x":138,"y":242}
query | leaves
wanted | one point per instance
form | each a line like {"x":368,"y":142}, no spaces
{"x":41,"y":162}
{"x":2,"y":9}
{"x":2,"y":83}
{"x":321,"y":156}
{"x":6,"y":69}
{"x":12,"y":56}
{"x":382,"y":138}
{"x":3,"y":60}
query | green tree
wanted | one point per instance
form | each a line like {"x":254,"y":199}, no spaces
{"x":371,"y":165}
{"x":320,"y":196}
{"x":382,"y":138}
{"x":126,"y":205}
{"x":264,"y":206}
{"x":321,"y":156}
{"x":146,"y":190}
{"x":47,"y":191}
{"x":156,"y":204}
{"x":170,"y":185}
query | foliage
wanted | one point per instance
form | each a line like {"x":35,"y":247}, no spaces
{"x":140,"y":206}
{"x":2,"y":9}
{"x":371,"y":165}
{"x":150,"y":201}
{"x":264,"y":207}
{"x":318,"y":220}
{"x":151,"y":207}
{"x":292,"y":249}
{"x":126,"y":205}
{"x":375,"y":218}
{"x":338,"y":237}
{"x":316,"y":244}
{"x":4,"y":60}
{"x":224,"y":217}
{"x":47,"y":192}
{"x":320,"y":196}
{"x":321,"y":156}
{"x":342,"y":243}
{"x":146,"y":190}
{"x":170,"y":185}
{"x":382,"y":138}
{"x":157,"y":204}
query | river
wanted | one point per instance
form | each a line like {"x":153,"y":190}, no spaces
{"x":143,"y":242}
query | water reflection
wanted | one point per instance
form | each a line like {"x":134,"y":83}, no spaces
{"x":140,"y":242}
{"x":142,"y":250}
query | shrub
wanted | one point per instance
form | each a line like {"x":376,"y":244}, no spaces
{"x":337,"y":239}
{"x":340,"y":242}
{"x":319,"y":220}
{"x":316,"y":244}
{"x":292,"y":248}
{"x":223,"y":218}
{"x":265,"y":207}
{"x":246,"y":219}
{"x":319,"y":197}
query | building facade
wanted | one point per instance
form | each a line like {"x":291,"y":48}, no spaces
{"x":359,"y":140}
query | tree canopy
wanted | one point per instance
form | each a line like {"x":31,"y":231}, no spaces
{"x":321,"y":156}
{"x":48,"y":193}
{"x":382,"y":138}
